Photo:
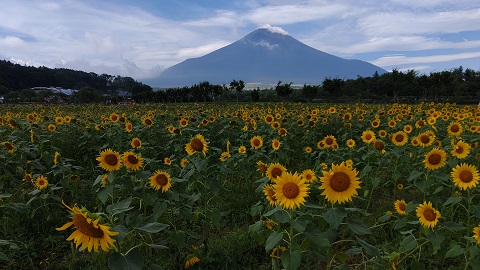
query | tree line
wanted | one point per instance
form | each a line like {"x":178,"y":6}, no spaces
{"x":454,"y":85}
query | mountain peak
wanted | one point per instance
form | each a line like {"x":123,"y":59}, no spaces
{"x":266,"y":55}
{"x":273,"y":29}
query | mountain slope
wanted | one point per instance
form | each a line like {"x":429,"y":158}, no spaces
{"x":263,"y":57}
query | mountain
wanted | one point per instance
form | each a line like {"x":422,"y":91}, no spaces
{"x":263,"y":56}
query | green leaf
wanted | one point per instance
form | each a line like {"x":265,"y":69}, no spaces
{"x":256,"y":226}
{"x":358,"y":227}
{"x":454,"y":251}
{"x":299,"y":224}
{"x":153,"y":227}
{"x":119,"y":207}
{"x":335,"y":216}
{"x":104,"y":193}
{"x":281,"y":216}
{"x":372,"y":250}
{"x":436,"y":239}
{"x":291,"y":259}
{"x":154,"y":246}
{"x":384,"y":218}
{"x":417,"y":266}
{"x":273,"y":240}
{"x":317,"y":238}
{"x":452,"y":200}
{"x":414,"y":175}
{"x":408,"y":243}
{"x":132,"y":261}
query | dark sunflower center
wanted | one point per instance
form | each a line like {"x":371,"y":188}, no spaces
{"x":262,"y":168}
{"x":111,"y":159}
{"x":41,"y":182}
{"x":329,"y":141}
{"x":148,"y":122}
{"x":269,"y":119}
{"x":340,"y":182}
{"x":282,"y":132}
{"x":368,"y":137}
{"x":271,"y":195}
{"x":308,"y":176}
{"x":9,"y":146}
{"x":81,"y":224}
{"x":402,"y":206}
{"x":459,"y":149}
{"x":429,"y":215}
{"x":161,"y":179}
{"x":454,"y":128}
{"x":466,"y":176}
{"x":136,"y":143}
{"x":196,"y":144}
{"x":256,"y":142}
{"x":424,"y":138}
{"x":276,"y":172}
{"x":399,"y":137}
{"x":132,"y":159}
{"x":421,"y":123}
{"x":290,"y":190}
{"x":434,"y":159}
{"x":379,"y":145}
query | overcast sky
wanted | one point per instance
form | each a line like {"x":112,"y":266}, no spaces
{"x":139,"y":38}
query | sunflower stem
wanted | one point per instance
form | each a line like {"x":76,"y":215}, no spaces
{"x":467,"y":253}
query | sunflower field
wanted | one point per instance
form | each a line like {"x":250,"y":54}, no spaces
{"x":240,"y":186}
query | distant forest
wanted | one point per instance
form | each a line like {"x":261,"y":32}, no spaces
{"x":455,"y":85}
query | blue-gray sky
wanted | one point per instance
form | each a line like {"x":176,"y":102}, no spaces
{"x":139,"y":38}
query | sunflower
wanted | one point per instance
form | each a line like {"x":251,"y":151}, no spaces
{"x":400,"y":207}
{"x":407,"y":128}
{"x":455,"y":129}
{"x":350,"y":143}
{"x":59,"y":120}
{"x":128,"y":127}
{"x":90,"y":233}
{"x":242,"y":149}
{"x":290,"y":190}
{"x":379,"y":145}
{"x":55,"y":158}
{"x":476,"y":234}
{"x":104,"y":180}
{"x":196,"y":144}
{"x":435,"y":159}
{"x":28,"y":177}
{"x":275,"y":170}
{"x":9,"y":146}
{"x":461,"y":150}
{"x":136,"y":143}
{"x":184,"y":162}
{"x":191,"y":262}
{"x":183,"y":122}
{"x":114,"y":117}
{"x":268,"y":119}
{"x":382,"y":133}
{"x":427,"y":215}
{"x":309,"y":176}
{"x":276,"y":144}
{"x":132,"y":161}
{"x":308,"y":149}
{"x":109,"y":160}
{"x":51,"y":127}
{"x":399,"y":186}
{"x":399,"y":138}
{"x":426,"y":138}
{"x":465,"y":176}
{"x":167,"y":161}
{"x":340,"y":184}
{"x":161,"y":180}
{"x":224,"y":156}
{"x":256,"y":142}
{"x":269,"y":192}
{"x":368,"y":136}
{"x":147,"y":122}
{"x":41,"y":182}
{"x":262,"y":167}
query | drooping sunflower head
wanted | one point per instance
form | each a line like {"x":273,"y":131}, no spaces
{"x":290,"y":190}
{"x":400,"y":207}
{"x":256,"y":142}
{"x":461,"y":149}
{"x":275,"y":170}
{"x":9,"y":146}
{"x":109,"y":160}
{"x":309,"y":176}
{"x":269,"y":193}
{"x":435,"y":159}
{"x":427,"y":215}
{"x":476,"y":234}
{"x":340,"y":184}
{"x":262,"y":167}
{"x":197,"y":144}
{"x":465,"y":176}
{"x":184,"y":162}
{"x":89,"y":232}
{"x":191,"y":262}
{"x":161,"y":180}
{"x":132,"y":161}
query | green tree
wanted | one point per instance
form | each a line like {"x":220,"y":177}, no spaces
{"x":237,"y":86}
{"x":87,"y":95}
{"x":283,"y":90}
